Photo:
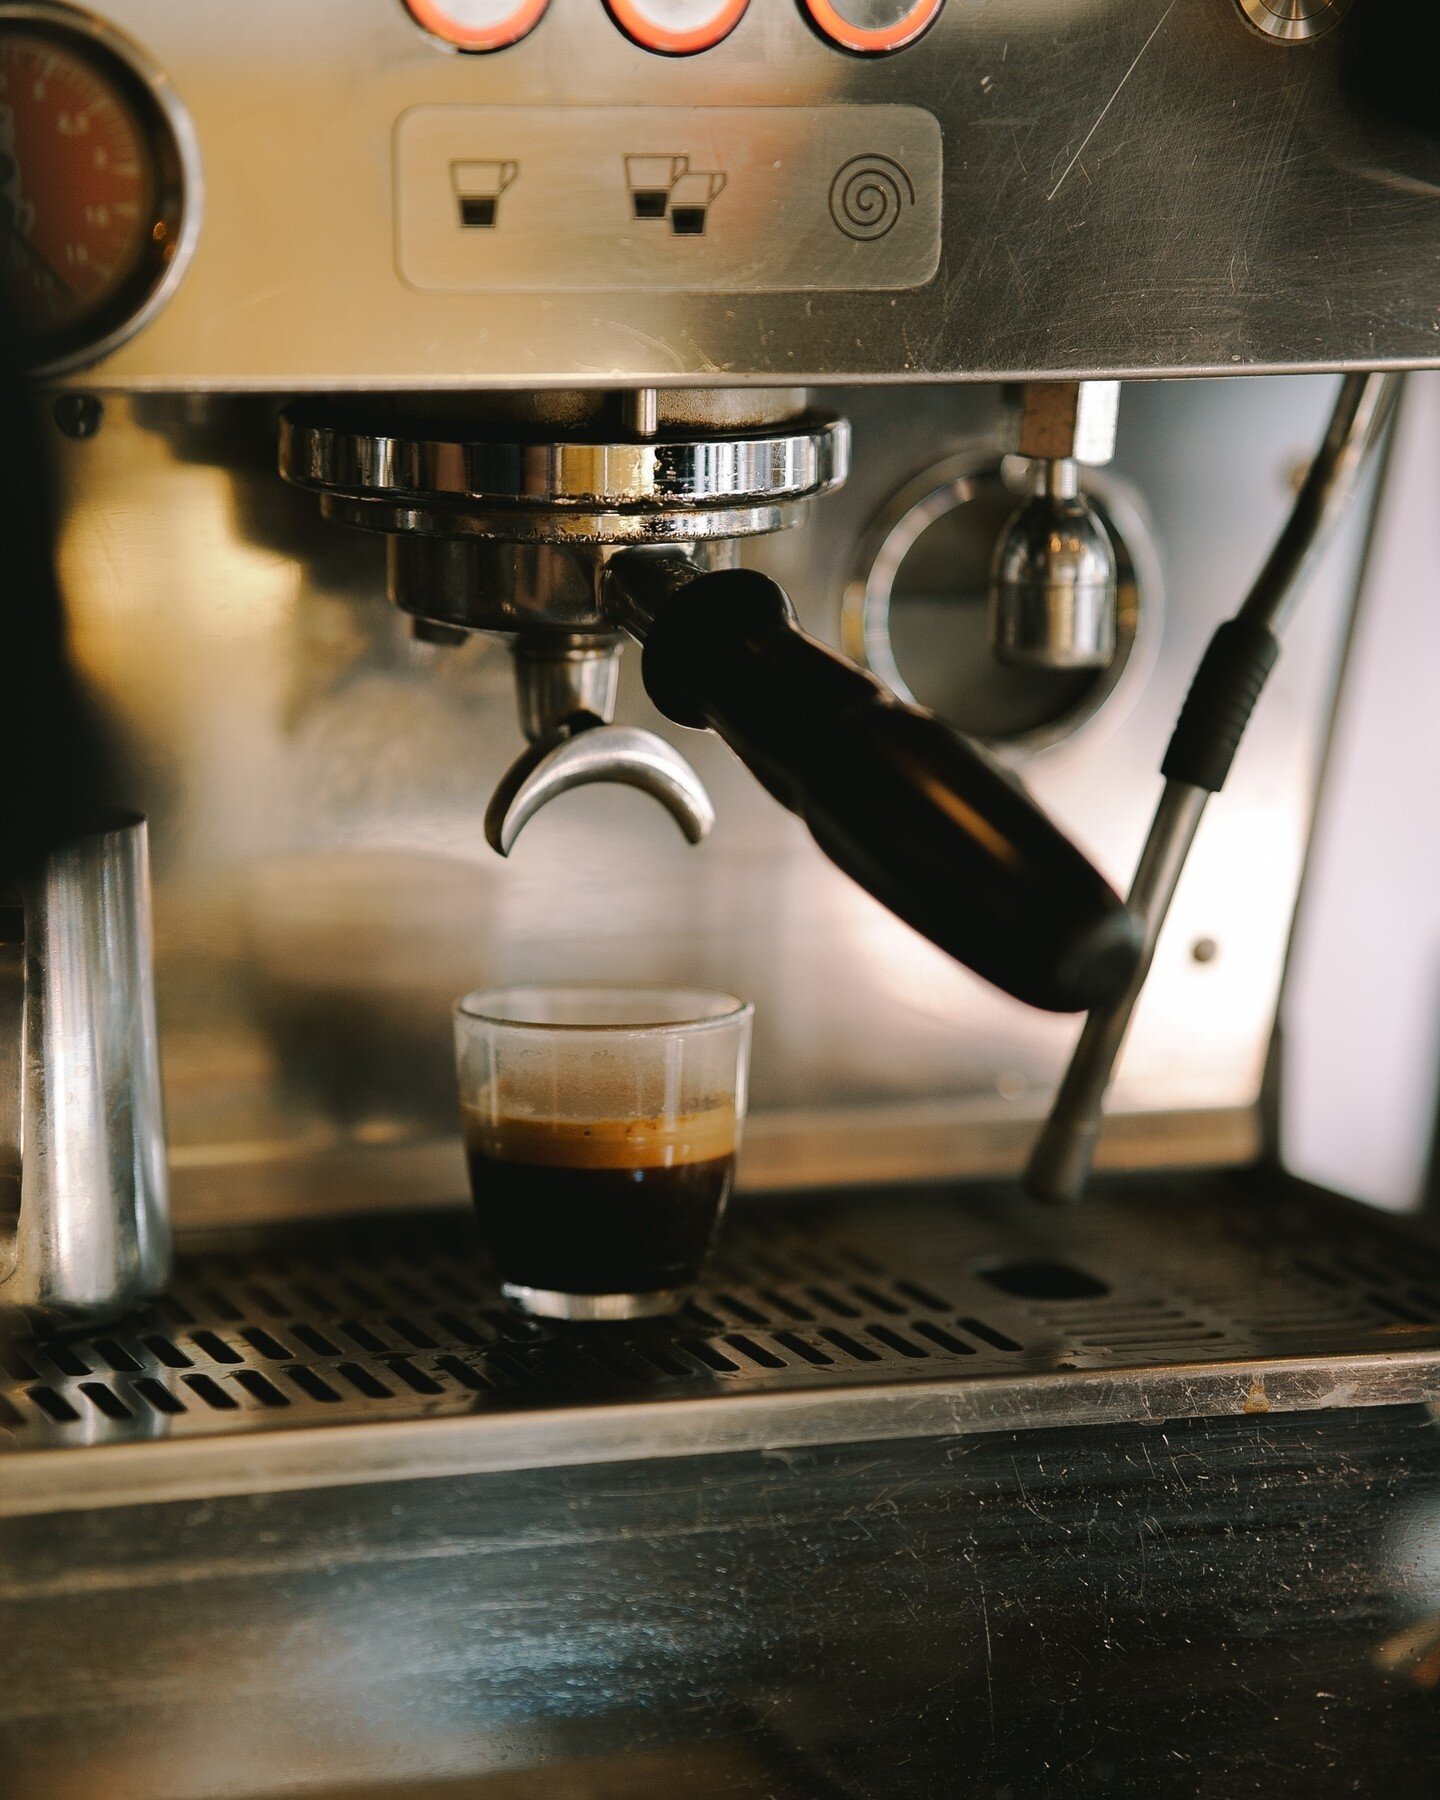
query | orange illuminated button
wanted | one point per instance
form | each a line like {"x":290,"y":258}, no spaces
{"x":478,"y":24}
{"x":677,"y":27}
{"x":872,"y":27}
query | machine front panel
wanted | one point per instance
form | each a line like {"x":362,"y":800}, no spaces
{"x":1031,"y":186}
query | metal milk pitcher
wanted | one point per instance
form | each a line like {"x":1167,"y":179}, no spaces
{"x":84,"y":1223}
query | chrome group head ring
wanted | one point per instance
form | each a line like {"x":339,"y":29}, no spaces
{"x":665,"y":489}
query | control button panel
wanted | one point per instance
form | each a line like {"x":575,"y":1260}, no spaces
{"x":478,"y":24}
{"x":677,"y":27}
{"x":765,"y":199}
{"x":872,"y":27}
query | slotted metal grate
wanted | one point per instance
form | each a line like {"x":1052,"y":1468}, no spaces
{"x":401,"y":1320}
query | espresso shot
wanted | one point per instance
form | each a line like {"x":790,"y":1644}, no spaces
{"x":606,"y":1206}
{"x":601,"y":1127}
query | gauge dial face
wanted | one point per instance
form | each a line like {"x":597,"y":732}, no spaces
{"x":90,"y":190}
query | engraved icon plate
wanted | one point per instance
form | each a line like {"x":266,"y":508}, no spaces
{"x":768,"y":199}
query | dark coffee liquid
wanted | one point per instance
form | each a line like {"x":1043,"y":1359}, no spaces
{"x":604,"y":1207}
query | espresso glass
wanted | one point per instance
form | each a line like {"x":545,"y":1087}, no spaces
{"x":601,"y":1126}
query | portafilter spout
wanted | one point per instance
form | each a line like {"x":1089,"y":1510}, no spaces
{"x":540,"y":598}
{"x":566,"y":685}
{"x":497,"y":511}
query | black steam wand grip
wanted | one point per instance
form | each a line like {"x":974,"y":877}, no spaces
{"x":916,"y":814}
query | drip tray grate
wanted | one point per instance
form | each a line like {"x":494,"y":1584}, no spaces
{"x":973,"y":1291}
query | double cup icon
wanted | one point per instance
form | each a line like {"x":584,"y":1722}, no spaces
{"x":666,"y":187}
{"x":478,"y":187}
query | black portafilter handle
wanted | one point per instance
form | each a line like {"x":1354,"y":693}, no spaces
{"x":920,"y":817}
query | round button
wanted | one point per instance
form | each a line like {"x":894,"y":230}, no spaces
{"x":478,"y":24}
{"x":1294,"y":20}
{"x":677,"y":27}
{"x":872,"y":27}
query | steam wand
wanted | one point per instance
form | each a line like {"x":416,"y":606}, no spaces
{"x":1207,"y":734}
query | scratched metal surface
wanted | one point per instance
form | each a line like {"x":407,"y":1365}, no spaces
{"x":355,"y":1353}
{"x":1201,"y":1611}
{"x":316,"y":786}
{"x":1131,"y":186}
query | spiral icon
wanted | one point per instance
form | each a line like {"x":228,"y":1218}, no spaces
{"x":868,"y":195}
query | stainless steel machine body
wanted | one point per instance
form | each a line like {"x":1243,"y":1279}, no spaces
{"x":317,"y":786}
{"x":1121,"y":187}
{"x":346,"y":893}
{"x":929,"y":1491}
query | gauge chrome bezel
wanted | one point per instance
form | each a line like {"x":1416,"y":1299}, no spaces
{"x":165,"y":117}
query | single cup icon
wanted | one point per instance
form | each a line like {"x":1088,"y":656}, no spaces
{"x":650,"y":179}
{"x":478,"y":187}
{"x":690,"y":200}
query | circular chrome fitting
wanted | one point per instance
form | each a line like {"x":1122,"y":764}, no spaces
{"x":1294,"y":21}
{"x":399,"y":475}
{"x":915,"y":611}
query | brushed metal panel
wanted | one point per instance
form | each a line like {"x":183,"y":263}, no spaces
{"x":700,"y":200}
{"x":1131,"y":186}
{"x":317,"y":783}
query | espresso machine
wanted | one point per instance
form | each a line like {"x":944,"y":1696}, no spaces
{"x":889,"y":508}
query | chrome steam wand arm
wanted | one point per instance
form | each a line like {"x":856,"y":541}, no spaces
{"x":1217,"y":709}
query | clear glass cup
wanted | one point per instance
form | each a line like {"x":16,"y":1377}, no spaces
{"x":601,"y":1126}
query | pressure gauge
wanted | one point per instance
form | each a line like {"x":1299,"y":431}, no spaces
{"x":98,"y":183}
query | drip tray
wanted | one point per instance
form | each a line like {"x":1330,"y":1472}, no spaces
{"x":314,"y":1357}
